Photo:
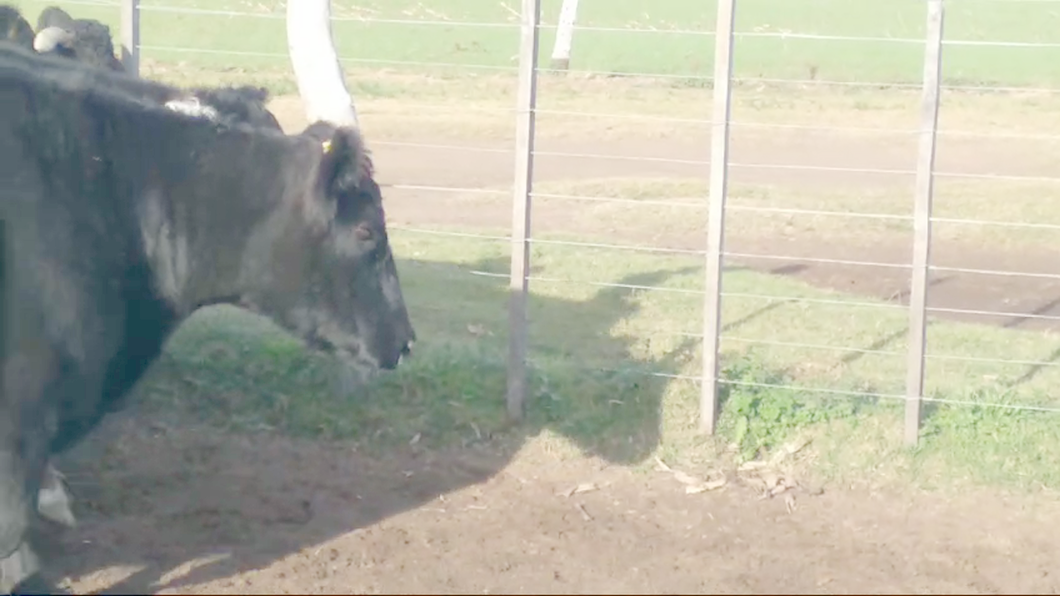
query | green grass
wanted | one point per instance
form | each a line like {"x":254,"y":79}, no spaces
{"x":674,"y":54}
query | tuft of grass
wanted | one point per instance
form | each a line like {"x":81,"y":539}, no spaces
{"x":759,"y":412}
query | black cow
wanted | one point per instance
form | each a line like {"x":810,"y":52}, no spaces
{"x":54,"y":499}
{"x":85,"y":40}
{"x":127,"y":216}
{"x":233,"y":105}
{"x":88,"y":41}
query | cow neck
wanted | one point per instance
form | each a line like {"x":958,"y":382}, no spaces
{"x":222,"y":225}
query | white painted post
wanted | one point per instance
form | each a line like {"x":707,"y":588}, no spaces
{"x":519,"y":286}
{"x":564,"y":35}
{"x":130,"y":36}
{"x":925,"y":180}
{"x":719,"y":188}
{"x":316,"y":64}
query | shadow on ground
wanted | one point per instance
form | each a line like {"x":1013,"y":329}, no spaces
{"x":220,"y":458}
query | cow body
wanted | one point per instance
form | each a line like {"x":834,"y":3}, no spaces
{"x":232,"y":105}
{"x":126,"y":216}
{"x":88,"y":42}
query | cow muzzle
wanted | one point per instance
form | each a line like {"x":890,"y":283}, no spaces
{"x":406,"y":351}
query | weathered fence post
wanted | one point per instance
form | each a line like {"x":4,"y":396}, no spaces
{"x":564,"y":35}
{"x":925,"y":178}
{"x":526,"y":103}
{"x":130,"y":36}
{"x":719,"y":183}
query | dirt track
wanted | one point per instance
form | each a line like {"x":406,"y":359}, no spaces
{"x":273,"y":515}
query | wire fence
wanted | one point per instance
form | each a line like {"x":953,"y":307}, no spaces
{"x":718,"y":205}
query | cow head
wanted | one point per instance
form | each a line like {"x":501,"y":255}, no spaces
{"x":55,"y":32}
{"x":86,"y":40}
{"x":331,"y":277}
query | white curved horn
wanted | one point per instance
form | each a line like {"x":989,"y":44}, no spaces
{"x":316,"y":65}
{"x":51,"y":37}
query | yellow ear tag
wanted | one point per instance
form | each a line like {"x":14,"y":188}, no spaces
{"x":327,"y":147}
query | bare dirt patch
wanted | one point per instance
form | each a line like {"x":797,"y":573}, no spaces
{"x":193,"y":512}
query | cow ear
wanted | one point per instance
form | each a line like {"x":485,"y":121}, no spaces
{"x":344,"y":163}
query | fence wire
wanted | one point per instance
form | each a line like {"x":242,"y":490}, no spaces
{"x":576,"y":202}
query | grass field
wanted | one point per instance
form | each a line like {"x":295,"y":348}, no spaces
{"x":595,"y":346}
{"x":685,"y":54}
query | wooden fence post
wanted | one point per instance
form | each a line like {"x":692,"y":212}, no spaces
{"x":719,"y":183}
{"x":521,"y":209}
{"x":130,"y":36}
{"x":925,"y":178}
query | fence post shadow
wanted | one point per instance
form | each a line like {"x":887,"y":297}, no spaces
{"x":1035,"y":369}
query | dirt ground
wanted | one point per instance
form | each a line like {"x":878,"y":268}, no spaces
{"x":194,"y":512}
